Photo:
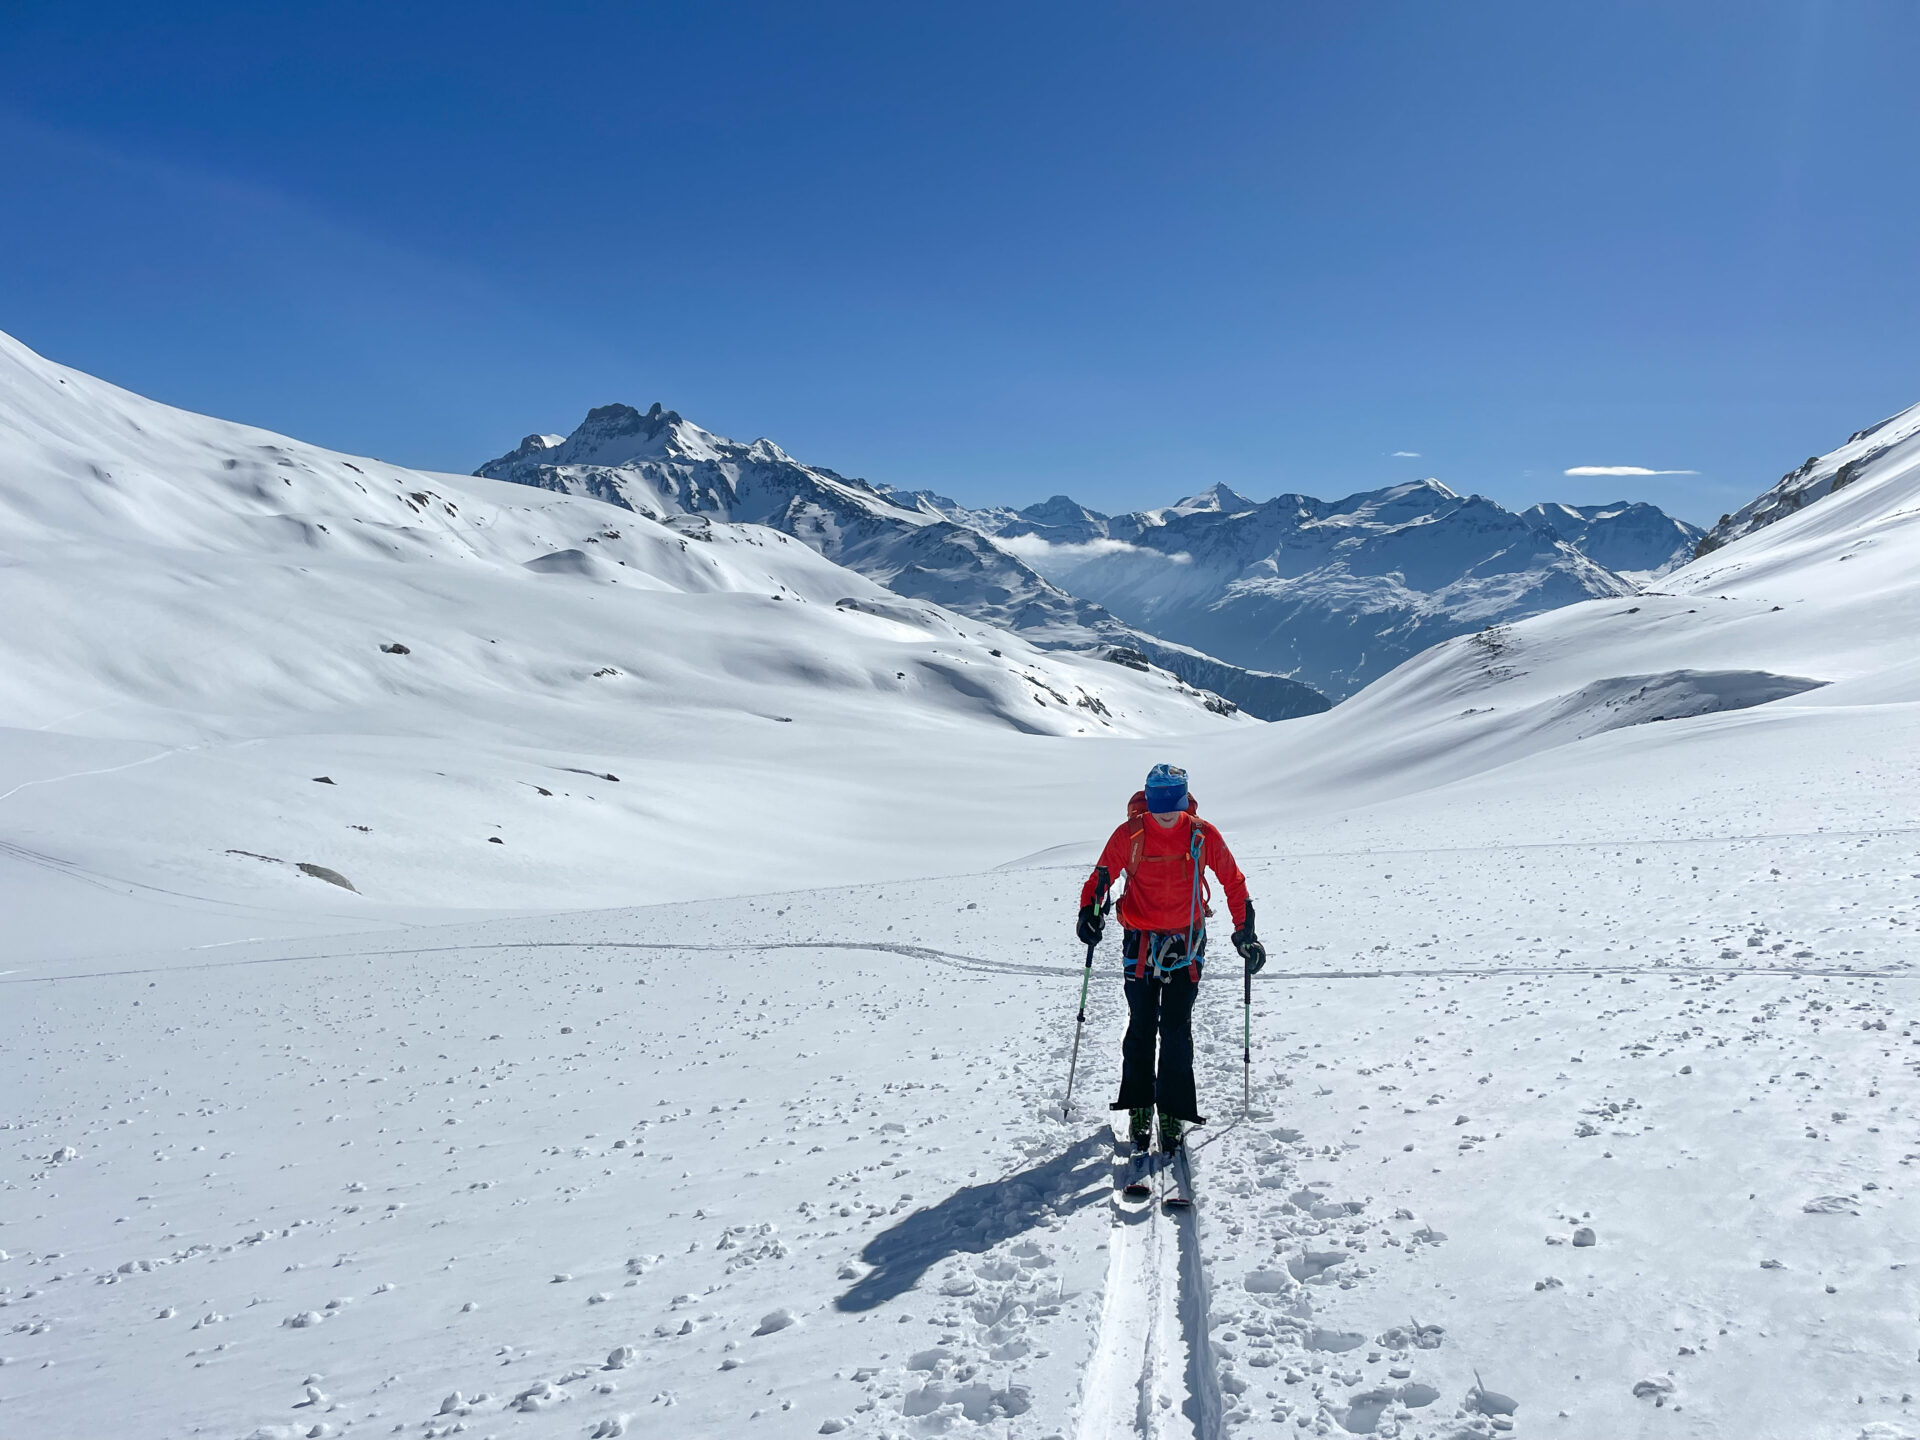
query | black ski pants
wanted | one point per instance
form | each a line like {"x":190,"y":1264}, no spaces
{"x":1162,"y":1010}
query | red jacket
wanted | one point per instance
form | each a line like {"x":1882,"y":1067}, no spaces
{"x":1155,"y":857}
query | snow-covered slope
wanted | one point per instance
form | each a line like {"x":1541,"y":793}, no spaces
{"x":660,"y":466}
{"x":1335,"y":593}
{"x":205,"y":619}
{"x":1818,"y":475}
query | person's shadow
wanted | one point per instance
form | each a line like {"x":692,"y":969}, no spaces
{"x":978,"y":1218}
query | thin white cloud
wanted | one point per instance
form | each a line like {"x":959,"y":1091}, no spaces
{"x":1623,"y":470}
{"x":1406,"y":454}
{"x":1047,"y":556}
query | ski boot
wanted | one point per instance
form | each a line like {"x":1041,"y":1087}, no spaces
{"x":1140,"y":1122}
{"x":1172,"y":1130}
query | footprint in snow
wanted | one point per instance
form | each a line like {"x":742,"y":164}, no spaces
{"x":775,"y":1320}
{"x":1364,"y":1410}
{"x":1492,"y":1402}
{"x":1312,"y":1265}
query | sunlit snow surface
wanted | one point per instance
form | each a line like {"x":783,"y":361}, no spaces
{"x":1564,"y":942}
{"x":230,"y":654}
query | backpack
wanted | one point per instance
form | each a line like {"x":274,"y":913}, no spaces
{"x":1197,"y":828}
{"x":1137,"y":826}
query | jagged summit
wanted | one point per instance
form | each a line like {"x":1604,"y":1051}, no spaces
{"x":615,"y":435}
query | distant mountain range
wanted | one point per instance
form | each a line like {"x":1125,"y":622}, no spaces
{"x":660,"y":465}
{"x":1272,"y":604}
{"x":1335,"y":593}
{"x":1635,"y":540}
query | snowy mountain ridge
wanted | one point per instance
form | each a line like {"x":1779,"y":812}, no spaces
{"x":1330,"y":593}
{"x":660,"y":465}
{"x":1334,"y":592}
{"x":1815,"y":477}
{"x":1637,"y":541}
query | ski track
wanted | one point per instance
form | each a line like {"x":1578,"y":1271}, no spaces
{"x":1001,"y":967}
{"x":911,"y":952}
{"x":1151,"y":1372}
{"x":1116,"y":1389}
{"x":1201,"y":1376}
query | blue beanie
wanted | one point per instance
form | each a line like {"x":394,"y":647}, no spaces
{"x":1166,"y":789}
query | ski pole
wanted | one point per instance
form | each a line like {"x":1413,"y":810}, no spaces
{"x":1246,"y":1034}
{"x":1086,"y":978}
{"x":1080,"y":1024}
{"x":1246,"y":1047}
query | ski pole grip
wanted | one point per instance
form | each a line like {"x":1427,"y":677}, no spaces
{"x":1102,"y":887}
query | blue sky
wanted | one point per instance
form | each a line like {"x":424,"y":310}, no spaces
{"x":1114,"y":249}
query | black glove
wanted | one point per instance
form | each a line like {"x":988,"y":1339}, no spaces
{"x":1250,"y":948}
{"x":1092,"y":925}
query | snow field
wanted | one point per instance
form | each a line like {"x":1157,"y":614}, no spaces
{"x":750,"y":1165}
{"x":859,"y":1128}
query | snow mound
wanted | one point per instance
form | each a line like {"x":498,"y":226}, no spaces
{"x":569,"y":562}
{"x":1622,"y":700}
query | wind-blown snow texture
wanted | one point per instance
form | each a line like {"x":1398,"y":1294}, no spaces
{"x":662,"y":466}
{"x":1586,"y":1068}
{"x":1335,"y":593}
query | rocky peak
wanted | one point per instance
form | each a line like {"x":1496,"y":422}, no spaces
{"x":620,"y":426}
{"x":1059,"y":510}
{"x":534,"y":447}
{"x":614,"y":435}
{"x":1218,"y":497}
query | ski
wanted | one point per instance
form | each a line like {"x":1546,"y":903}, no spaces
{"x":1132,"y":1169}
{"x":1177,"y":1193}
